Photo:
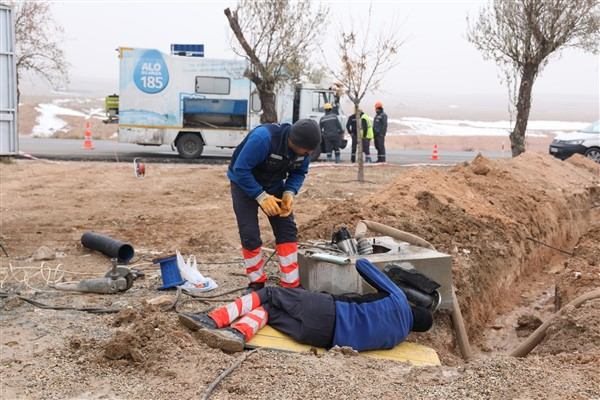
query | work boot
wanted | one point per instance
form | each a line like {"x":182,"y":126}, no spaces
{"x":197,"y":321}
{"x":337,"y":158}
{"x":227,"y":339}
{"x":329,"y":158}
{"x":253,"y":287}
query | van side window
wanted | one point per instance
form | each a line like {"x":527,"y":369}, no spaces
{"x":212,"y":85}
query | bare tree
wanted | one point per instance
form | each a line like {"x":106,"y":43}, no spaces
{"x":37,"y":43}
{"x":521,"y":35}
{"x":366,"y":55}
{"x":276,"y":37}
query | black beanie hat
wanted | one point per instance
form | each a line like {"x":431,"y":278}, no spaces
{"x":422,"y":319}
{"x":305,"y":133}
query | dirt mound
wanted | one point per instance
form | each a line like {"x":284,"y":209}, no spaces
{"x":490,"y":215}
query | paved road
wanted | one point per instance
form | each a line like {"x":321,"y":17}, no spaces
{"x":108,"y":150}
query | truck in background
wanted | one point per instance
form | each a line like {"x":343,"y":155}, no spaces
{"x":192,"y":102}
{"x":8,"y":84}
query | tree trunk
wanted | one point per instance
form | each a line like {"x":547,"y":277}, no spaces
{"x":517,"y":136}
{"x":265,"y":89}
{"x":269,"y":112}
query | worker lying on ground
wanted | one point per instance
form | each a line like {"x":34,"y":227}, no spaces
{"x":372,"y":321}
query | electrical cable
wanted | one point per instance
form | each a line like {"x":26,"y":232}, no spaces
{"x":205,"y":310}
{"x":214,"y":297}
{"x":547,"y":245}
{"x":93,"y":310}
{"x":4,"y":250}
{"x":174,"y":303}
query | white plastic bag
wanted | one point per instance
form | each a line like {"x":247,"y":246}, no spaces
{"x":196,"y":282}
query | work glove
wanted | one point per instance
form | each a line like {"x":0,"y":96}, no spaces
{"x":287,"y":201}
{"x":268,"y":203}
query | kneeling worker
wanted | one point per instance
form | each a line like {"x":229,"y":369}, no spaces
{"x":373,"y":321}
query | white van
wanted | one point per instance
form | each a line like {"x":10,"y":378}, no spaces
{"x":585,"y":141}
{"x":192,"y":102}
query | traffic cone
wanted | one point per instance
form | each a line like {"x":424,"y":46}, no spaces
{"x":87,"y":144}
{"x":434,"y":156}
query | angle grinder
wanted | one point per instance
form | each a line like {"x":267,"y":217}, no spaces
{"x":118,"y":278}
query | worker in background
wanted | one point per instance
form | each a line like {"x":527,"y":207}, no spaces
{"x":374,"y":321}
{"x":267,"y":170}
{"x":380,"y":123}
{"x":366,"y":134}
{"x":332,"y":131}
{"x":351,"y":128}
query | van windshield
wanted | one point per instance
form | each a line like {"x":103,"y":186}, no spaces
{"x":593,"y":128}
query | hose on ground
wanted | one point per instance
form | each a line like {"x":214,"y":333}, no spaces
{"x":459,"y":329}
{"x":361,"y":230}
{"x":536,"y":337}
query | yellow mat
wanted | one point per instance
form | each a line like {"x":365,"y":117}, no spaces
{"x":416,"y":354}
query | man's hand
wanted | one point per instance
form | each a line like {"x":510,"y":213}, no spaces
{"x":287,"y":201}
{"x":268,"y":203}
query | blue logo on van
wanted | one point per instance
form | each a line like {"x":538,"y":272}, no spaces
{"x":151,"y":74}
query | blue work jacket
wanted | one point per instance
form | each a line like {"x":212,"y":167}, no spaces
{"x":264,"y":162}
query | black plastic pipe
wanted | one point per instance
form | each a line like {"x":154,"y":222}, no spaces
{"x":417,"y":297}
{"x":108,"y":246}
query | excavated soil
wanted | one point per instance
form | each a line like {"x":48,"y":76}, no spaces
{"x":523,"y":233}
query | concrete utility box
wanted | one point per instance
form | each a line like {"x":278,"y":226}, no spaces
{"x":8,"y":84}
{"x":319,"y":275}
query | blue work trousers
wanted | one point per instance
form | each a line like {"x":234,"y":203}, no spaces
{"x":246,"y":213}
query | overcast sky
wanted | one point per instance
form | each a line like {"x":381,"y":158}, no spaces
{"x":436,"y":58}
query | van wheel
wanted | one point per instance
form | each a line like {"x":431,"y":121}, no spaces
{"x":190,"y":145}
{"x":593,"y":154}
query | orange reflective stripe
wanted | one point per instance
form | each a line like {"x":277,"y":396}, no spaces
{"x":288,"y":264}
{"x":249,"y":254}
{"x":221,"y":317}
{"x":254,"y":263}
{"x":292,"y":284}
{"x":252,"y":322}
{"x":288,"y":269}
{"x":285,"y":249}
{"x":224,"y":316}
